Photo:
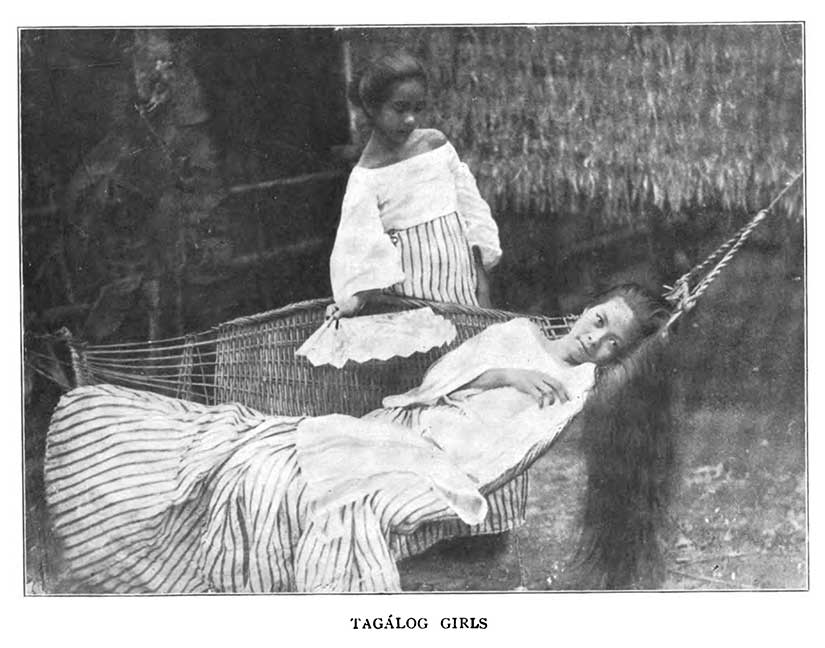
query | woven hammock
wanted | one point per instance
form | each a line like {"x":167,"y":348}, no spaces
{"x":251,"y":360}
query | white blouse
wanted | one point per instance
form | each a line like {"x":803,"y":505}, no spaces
{"x":398,"y":196}
{"x":486,"y":431}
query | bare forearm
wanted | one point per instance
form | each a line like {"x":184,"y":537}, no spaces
{"x":483,"y":279}
{"x":545,"y":388}
{"x":490,"y":379}
{"x":366,"y":295}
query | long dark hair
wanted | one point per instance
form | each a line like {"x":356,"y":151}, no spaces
{"x":628,"y":446}
{"x":373,"y":86}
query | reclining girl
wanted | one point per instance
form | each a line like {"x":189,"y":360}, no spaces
{"x":153,"y":494}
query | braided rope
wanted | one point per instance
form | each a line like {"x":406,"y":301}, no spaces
{"x":702,"y":286}
{"x":682,"y":295}
{"x":736,"y":240}
{"x":710,"y":258}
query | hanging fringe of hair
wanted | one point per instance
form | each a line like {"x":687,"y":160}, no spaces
{"x":628,"y":446}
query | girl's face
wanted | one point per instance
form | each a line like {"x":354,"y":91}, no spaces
{"x":601,"y":333}
{"x":399,"y":115}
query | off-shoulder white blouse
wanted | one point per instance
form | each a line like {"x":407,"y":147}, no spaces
{"x":396,"y":197}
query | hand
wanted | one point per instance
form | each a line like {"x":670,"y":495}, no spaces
{"x":346,"y":308}
{"x":541,"y":386}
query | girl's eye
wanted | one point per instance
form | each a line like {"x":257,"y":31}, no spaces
{"x":614,"y":344}
{"x":599,"y":320}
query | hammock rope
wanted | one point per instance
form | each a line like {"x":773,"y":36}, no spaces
{"x":682,"y":295}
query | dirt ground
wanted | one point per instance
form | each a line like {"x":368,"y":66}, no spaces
{"x":738,"y":518}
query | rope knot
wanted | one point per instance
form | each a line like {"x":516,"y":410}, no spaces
{"x":679,"y":293}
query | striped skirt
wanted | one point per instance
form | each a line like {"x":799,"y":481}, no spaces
{"x":438,"y":265}
{"x":437,"y":262}
{"x":149,"y":494}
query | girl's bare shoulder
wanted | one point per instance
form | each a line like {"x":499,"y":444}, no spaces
{"x":432,"y":138}
{"x":424,"y":140}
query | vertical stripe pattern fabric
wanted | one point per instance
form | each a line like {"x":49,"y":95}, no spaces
{"x":437,"y":262}
{"x":152,"y":494}
{"x":149,"y":494}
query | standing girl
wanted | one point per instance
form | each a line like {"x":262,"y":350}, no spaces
{"x":413,"y":222}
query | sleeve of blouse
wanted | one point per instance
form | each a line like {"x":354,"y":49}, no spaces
{"x":500,"y":346}
{"x":482,"y":230}
{"x":363,"y":257}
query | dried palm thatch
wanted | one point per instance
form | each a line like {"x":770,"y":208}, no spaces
{"x":603,"y":122}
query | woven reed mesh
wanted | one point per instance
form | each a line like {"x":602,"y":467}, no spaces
{"x":251,"y":360}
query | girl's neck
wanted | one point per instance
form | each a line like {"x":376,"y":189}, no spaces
{"x":557,"y":348}
{"x":385,"y":145}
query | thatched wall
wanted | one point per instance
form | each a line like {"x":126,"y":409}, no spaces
{"x":606,"y":120}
